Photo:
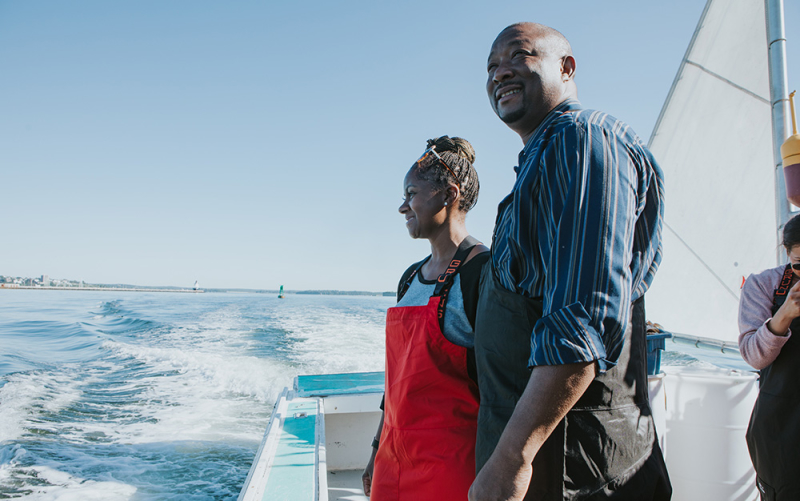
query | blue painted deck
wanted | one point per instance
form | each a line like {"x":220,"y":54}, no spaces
{"x":338,"y":384}
{"x":291,"y":477}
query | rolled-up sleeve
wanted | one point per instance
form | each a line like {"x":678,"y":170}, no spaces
{"x":592,"y":192}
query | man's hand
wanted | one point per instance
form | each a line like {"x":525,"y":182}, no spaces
{"x":551,"y":392}
{"x":501,"y":479}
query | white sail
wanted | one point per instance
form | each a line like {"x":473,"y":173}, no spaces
{"x":713,"y":140}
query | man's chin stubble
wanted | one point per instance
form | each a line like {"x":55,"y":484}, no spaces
{"x":511,"y":117}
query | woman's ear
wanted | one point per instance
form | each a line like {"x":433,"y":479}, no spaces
{"x":451,"y":194}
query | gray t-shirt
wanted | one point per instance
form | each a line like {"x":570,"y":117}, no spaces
{"x":462,"y":301}
{"x":457,"y":328}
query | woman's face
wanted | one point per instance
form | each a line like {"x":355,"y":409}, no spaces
{"x":423,"y":206}
{"x":794,"y":258}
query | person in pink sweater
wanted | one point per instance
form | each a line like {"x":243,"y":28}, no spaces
{"x":769,"y":313}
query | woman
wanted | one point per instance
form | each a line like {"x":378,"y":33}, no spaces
{"x":425,"y":445}
{"x":769,"y":312}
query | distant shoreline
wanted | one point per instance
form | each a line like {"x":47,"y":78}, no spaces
{"x":344,"y":293}
{"x":115,"y":289}
{"x":192,"y":291}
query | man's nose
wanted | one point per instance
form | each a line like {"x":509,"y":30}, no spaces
{"x":502,"y":72}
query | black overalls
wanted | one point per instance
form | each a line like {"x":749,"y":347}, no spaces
{"x":773,"y":436}
{"x":606,"y":447}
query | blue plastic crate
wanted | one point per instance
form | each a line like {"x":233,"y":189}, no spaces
{"x":655,"y":345}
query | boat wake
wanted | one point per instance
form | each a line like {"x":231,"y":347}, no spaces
{"x":159,"y":396}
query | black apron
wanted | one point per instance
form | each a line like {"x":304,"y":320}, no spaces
{"x":773,"y":435}
{"x":606,"y":446}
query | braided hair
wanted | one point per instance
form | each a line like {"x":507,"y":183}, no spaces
{"x":459,"y":156}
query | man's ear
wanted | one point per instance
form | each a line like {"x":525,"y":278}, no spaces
{"x":567,"y":68}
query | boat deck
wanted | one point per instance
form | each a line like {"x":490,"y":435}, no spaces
{"x":318,"y":440}
{"x":345,"y":485}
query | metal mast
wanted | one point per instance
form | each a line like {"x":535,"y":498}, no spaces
{"x":779,"y":98}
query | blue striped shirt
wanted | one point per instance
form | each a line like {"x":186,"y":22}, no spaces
{"x":581,"y":231}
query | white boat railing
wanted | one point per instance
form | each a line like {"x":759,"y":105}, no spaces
{"x":321,"y":467}
{"x":256,"y":478}
{"x":726,"y":347}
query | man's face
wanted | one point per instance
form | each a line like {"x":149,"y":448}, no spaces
{"x":525,"y":78}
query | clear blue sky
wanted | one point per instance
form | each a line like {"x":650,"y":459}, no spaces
{"x":252,"y":144}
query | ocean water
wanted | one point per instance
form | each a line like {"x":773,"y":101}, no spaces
{"x":159,"y":396}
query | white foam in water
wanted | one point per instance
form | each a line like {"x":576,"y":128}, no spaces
{"x":335,"y":340}
{"x":25,"y":396}
{"x":58,"y":485}
{"x":202,"y":395}
{"x":8,"y":460}
{"x":64,"y":487}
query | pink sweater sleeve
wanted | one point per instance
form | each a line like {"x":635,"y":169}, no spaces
{"x":758,"y":345}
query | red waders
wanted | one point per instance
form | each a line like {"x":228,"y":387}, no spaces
{"x":427,"y":447}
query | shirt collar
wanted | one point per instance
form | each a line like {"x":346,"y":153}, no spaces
{"x":563,"y":107}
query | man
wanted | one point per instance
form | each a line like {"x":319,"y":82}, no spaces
{"x":560,"y":334}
